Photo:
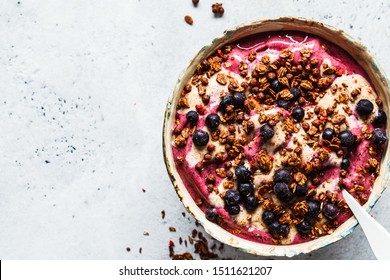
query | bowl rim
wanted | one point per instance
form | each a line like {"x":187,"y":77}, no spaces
{"x":218,"y":232}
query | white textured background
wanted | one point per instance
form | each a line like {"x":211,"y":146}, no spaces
{"x":83,"y":87}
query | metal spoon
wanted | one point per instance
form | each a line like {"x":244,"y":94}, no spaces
{"x":377,"y":236}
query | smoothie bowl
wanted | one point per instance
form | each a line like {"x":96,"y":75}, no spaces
{"x":267,"y":125}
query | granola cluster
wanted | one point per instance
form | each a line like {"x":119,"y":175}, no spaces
{"x":275,"y":137}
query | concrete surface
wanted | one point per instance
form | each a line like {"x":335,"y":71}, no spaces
{"x":83,"y":87}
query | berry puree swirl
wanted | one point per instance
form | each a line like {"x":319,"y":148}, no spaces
{"x":270,"y":128}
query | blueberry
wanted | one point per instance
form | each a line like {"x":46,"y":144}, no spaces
{"x":347,"y":138}
{"x":380,"y":118}
{"x":301,"y":190}
{"x":233,"y":209}
{"x":330,"y":211}
{"x":288,"y":196}
{"x":268,"y":217}
{"x":232,"y":197}
{"x":200,"y":138}
{"x":379,"y":136}
{"x":211,"y":215}
{"x":344,"y":163}
{"x":239,"y":100}
{"x":328,"y":134}
{"x":213,"y":121}
{"x":314,"y":209}
{"x":276,"y":86}
{"x":285,"y":104}
{"x":266,"y":132}
{"x":192,"y":117}
{"x":225,"y":102}
{"x":364,"y":107}
{"x":282,"y":191}
{"x":283,"y":230}
{"x":295,"y":91}
{"x":282,"y":175}
{"x":251,"y":203}
{"x":243,"y":174}
{"x":304,"y":227}
{"x":245,"y":189}
{"x":273,"y":229}
{"x":298,"y":113}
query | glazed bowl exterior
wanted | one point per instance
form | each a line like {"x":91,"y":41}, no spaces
{"x":335,"y":36}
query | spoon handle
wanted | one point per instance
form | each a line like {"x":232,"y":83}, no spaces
{"x":377,"y":236}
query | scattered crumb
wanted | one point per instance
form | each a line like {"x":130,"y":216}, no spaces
{"x":217,"y":9}
{"x":163,"y":214}
{"x":171,"y":244}
{"x":128,"y":249}
{"x":185,"y":256}
{"x":183,"y":214}
{"x":146,"y":233}
{"x":143,"y":190}
{"x":140,"y":250}
{"x":172,"y":229}
{"x":201,"y":247}
{"x":189,"y":20}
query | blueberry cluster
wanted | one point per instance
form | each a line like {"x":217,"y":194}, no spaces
{"x":282,"y":182}
{"x":244,"y":194}
{"x":200,"y":137}
{"x":364,"y":108}
{"x":274,"y":227}
{"x":286,"y":103}
{"x":347,"y":139}
{"x":298,"y":113}
{"x":282,"y":179}
{"x":237,"y":100}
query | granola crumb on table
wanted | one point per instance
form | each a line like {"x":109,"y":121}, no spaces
{"x":217,"y":9}
{"x":189,"y":20}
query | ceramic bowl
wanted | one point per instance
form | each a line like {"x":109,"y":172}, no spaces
{"x":336,"y":36}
